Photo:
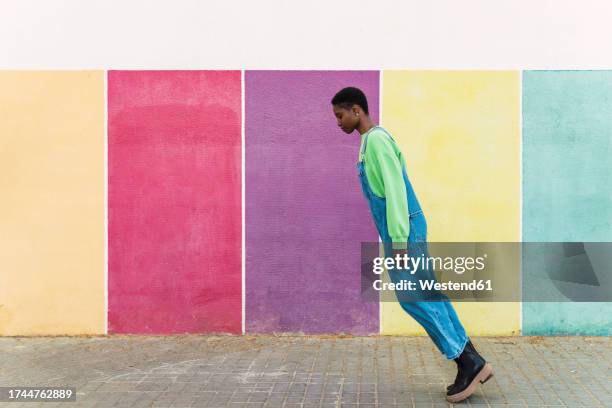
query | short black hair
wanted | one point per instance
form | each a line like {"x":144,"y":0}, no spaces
{"x":349,"y":96}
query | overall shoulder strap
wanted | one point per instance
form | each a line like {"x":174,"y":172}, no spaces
{"x":365,"y":142}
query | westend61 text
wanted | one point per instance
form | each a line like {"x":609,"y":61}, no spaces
{"x":431,"y":284}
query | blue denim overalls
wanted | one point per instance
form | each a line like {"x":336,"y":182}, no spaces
{"x":438,"y":318}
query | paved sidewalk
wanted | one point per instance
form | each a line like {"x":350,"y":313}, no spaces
{"x":309,"y":371}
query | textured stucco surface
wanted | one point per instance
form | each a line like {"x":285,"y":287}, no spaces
{"x":52,"y":202}
{"x":567,"y":145}
{"x":460,"y":134}
{"x":174,"y":175}
{"x":305,"y":214}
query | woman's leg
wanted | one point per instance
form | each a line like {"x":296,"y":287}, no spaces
{"x":438,"y":318}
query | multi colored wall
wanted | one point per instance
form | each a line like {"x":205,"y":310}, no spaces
{"x":163,"y":202}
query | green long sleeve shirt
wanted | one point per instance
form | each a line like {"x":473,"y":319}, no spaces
{"x":384,"y":163}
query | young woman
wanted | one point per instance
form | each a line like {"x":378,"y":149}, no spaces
{"x":403,"y":230}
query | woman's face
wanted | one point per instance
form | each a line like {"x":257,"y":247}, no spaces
{"x":347,"y":119}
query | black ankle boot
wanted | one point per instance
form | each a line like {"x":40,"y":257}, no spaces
{"x":470,"y":347}
{"x":472,"y":368}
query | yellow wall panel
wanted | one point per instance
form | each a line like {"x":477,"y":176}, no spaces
{"x":460,"y":134}
{"x":52,"y":207}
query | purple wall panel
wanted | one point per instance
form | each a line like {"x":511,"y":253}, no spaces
{"x":305,"y":215}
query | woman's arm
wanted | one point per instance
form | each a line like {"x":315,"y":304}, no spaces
{"x":387,"y":169}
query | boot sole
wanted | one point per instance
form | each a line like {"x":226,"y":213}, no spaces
{"x":483,"y":376}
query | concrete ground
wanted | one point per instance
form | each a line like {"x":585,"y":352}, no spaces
{"x":307,"y":371}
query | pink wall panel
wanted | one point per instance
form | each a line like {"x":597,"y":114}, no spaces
{"x":174,"y":216}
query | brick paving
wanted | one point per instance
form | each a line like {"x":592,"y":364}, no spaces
{"x":304,"y":371}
